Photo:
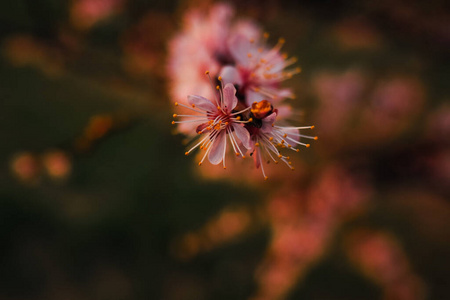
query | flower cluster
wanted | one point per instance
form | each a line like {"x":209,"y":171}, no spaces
{"x":242,"y":105}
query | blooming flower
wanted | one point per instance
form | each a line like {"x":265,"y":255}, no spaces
{"x":265,"y":136}
{"x":251,"y":74}
{"x":258,"y":70}
{"x":217,"y":121}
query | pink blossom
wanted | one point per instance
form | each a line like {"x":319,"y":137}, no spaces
{"x":218,"y":121}
{"x":258,"y":70}
{"x":266,"y":136}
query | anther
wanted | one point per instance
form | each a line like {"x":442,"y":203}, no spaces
{"x":257,"y":145}
{"x":207,"y":73}
{"x":175,"y":115}
{"x":237,"y":154}
{"x":280,"y":156}
{"x":186,"y":153}
{"x":220,"y":78}
{"x":250,"y":120}
{"x":249,"y":55}
{"x":217,"y":87}
{"x":312,"y":127}
{"x":176,"y":103}
{"x":308,"y":145}
{"x":199,"y":163}
{"x":316,"y":138}
{"x":266,"y":35}
{"x":265,"y":177}
{"x":193,"y":105}
{"x":173,"y":122}
{"x":271,"y":139}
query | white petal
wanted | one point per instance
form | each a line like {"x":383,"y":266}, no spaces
{"x":202,"y":103}
{"x":243,"y":135}
{"x":240,"y":47}
{"x":292,"y":133}
{"x":217,"y":151}
{"x":229,"y":97}
{"x":267,"y":123}
{"x":251,"y":96}
{"x":231,"y":75}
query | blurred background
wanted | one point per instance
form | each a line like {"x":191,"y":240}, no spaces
{"x":98,"y":201}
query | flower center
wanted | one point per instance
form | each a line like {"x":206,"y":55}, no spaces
{"x":261,"y":109}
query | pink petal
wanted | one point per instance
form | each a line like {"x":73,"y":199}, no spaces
{"x":251,"y":96}
{"x":217,"y":152}
{"x":292,"y":134}
{"x":229,"y":97}
{"x":230,"y":75}
{"x":243,"y":135}
{"x":240,"y":47}
{"x":267,"y":123}
{"x":202,"y":103}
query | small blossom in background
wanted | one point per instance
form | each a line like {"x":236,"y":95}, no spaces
{"x":86,"y":13}
{"x":379,"y":256}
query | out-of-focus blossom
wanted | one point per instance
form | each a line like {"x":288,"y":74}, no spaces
{"x":201,"y":46}
{"x":57,"y":164}
{"x":86,"y":13}
{"x":226,"y":226}
{"x":438,"y":124}
{"x":356,"y":34}
{"x":379,"y":256}
{"x":258,"y":70}
{"x":144,"y":44}
{"x":350,"y":102}
{"x":24,"y":50}
{"x":25,"y":167}
{"x":302,"y":224}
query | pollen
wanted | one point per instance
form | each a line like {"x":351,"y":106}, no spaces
{"x":261,"y":109}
